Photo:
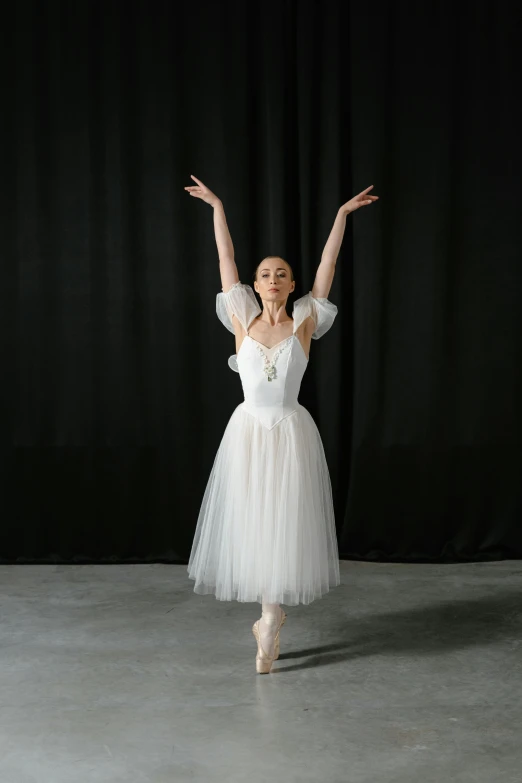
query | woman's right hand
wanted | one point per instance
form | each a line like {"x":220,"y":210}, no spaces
{"x":202,"y":192}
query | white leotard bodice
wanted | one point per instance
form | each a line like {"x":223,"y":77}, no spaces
{"x":271,"y":377}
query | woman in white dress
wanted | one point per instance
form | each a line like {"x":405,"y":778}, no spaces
{"x":266,"y":528}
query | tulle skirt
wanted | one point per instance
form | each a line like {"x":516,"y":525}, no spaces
{"x":266,"y":528}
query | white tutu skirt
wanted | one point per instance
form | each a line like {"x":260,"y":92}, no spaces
{"x":266,"y":528}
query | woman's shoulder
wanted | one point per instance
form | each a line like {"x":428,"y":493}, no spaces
{"x":318,"y":311}
{"x":238,"y":300}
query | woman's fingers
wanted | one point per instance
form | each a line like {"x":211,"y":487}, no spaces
{"x":195,"y":190}
{"x":368,"y":196}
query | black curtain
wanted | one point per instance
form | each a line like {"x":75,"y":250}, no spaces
{"x":116,"y":389}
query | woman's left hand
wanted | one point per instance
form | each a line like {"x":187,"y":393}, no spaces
{"x":358,"y":201}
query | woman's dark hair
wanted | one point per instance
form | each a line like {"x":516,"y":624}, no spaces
{"x":282,"y":259}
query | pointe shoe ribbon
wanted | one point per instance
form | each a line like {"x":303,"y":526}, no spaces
{"x":277,"y":646}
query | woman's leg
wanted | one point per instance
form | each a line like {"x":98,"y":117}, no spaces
{"x":270,"y":612}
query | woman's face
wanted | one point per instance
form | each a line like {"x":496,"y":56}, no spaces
{"x":273,"y":281}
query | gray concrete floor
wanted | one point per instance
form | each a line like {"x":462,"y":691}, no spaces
{"x":122,"y":674}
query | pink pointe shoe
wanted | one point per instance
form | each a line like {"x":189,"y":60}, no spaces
{"x":263,"y":660}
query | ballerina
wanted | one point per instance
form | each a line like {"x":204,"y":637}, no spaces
{"x":266,"y":529}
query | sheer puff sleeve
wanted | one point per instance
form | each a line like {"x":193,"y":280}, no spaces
{"x":321,"y":309}
{"x":240,"y":300}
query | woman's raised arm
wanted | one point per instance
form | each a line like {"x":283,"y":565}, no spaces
{"x":227,"y":264}
{"x":326,"y":269}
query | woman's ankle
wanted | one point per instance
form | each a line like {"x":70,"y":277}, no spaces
{"x":270,"y":613}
